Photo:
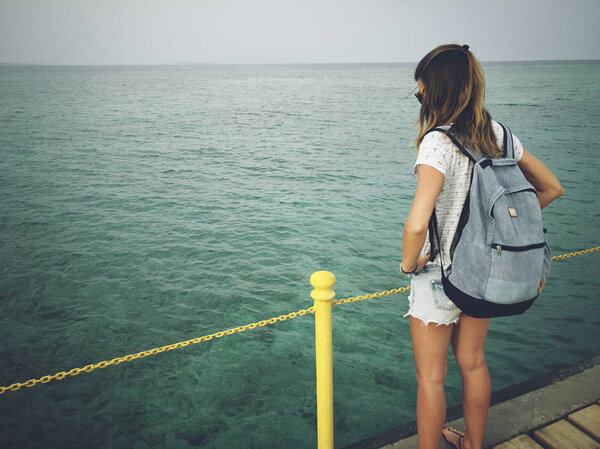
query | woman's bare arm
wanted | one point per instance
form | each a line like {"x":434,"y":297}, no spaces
{"x":429,"y":186}
{"x":547,"y":185}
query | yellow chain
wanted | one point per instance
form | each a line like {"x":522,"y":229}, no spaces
{"x":128,"y":358}
{"x":370,"y":296}
{"x":577,"y":253}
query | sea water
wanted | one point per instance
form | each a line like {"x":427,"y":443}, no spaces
{"x":142,"y":206}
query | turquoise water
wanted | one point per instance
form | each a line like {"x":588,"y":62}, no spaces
{"x":141,"y":206}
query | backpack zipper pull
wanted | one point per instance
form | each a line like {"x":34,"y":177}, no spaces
{"x":499,"y":249}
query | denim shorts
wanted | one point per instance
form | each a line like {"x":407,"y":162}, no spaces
{"x":427,"y":300}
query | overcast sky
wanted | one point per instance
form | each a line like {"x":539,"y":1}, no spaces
{"x":292,"y":31}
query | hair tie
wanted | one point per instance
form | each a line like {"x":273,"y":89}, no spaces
{"x":464,"y":49}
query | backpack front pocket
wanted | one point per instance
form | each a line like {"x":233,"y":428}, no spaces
{"x":515,"y":273}
{"x":516,"y":218}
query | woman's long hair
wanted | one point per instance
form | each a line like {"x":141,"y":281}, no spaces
{"x":454,"y":90}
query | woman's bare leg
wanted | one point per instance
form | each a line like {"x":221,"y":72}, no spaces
{"x":430,"y":344}
{"x":468,"y":341}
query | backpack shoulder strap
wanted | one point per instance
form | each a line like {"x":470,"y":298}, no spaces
{"x":508,"y":148}
{"x":434,"y":238}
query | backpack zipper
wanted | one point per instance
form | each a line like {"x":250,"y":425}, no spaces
{"x":499,"y":248}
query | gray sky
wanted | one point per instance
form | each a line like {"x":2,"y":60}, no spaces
{"x":292,"y":31}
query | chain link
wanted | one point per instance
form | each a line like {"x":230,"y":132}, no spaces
{"x":370,"y":296}
{"x":577,"y":253}
{"x":128,"y":358}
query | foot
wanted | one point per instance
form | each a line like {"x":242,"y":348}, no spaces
{"x":453,"y":436}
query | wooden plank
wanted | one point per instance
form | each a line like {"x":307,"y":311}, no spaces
{"x":588,"y":420}
{"x":564,"y":435}
{"x":520,"y":442}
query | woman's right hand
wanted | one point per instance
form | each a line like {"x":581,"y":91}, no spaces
{"x":422,"y":261}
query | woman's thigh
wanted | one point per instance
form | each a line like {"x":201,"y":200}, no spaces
{"x":468,"y":341}
{"x":430,"y":344}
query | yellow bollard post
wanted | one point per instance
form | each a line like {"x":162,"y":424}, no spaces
{"x":322,"y":281}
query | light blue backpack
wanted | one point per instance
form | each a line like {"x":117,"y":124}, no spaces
{"x":499,"y":253}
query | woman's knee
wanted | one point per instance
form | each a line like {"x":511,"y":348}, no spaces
{"x":469,"y":362}
{"x":432,"y":377}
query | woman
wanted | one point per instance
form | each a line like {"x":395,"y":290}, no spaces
{"x":451,"y":91}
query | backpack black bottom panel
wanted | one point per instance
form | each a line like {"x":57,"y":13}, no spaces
{"x":480,"y":308}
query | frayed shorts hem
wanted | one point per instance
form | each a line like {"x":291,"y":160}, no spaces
{"x":425,"y":322}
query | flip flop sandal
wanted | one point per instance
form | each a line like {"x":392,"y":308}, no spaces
{"x":460,"y":434}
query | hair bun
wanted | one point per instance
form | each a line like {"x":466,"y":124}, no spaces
{"x":465,"y":48}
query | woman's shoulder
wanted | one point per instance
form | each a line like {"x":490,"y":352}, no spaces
{"x":436,"y":140}
{"x":436,"y":150}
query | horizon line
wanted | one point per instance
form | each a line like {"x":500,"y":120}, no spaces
{"x":190,"y":63}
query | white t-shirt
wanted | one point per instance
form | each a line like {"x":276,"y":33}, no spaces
{"x":438,"y":151}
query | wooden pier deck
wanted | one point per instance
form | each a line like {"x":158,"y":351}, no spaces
{"x":579,"y":430}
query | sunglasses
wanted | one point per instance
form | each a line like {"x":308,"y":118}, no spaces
{"x":419,"y":96}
